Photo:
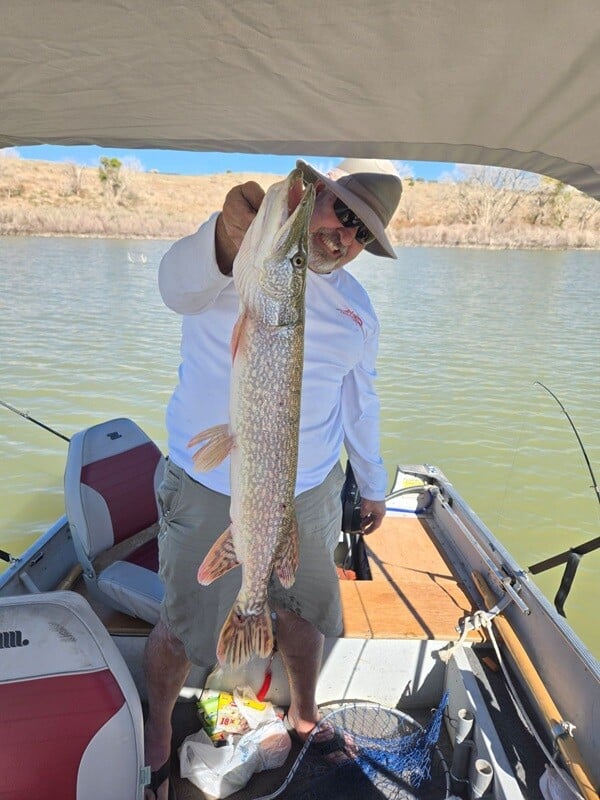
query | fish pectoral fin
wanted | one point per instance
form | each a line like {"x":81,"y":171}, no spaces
{"x":220,"y":559}
{"x":238,"y":334}
{"x":219,"y":442}
{"x":244,"y":636}
{"x":285,"y":563}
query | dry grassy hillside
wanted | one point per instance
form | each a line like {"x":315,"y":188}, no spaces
{"x":44,"y":198}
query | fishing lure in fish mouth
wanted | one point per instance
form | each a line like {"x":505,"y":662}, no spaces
{"x":261,"y":436}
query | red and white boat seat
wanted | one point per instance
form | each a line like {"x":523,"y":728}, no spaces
{"x":71,"y":725}
{"x":112,"y":474}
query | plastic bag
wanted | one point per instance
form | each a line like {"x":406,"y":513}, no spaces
{"x":220,"y":771}
{"x":222,"y":713}
{"x":267,"y":731}
{"x":272,"y":742}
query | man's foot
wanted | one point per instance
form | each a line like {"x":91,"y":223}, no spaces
{"x":300,"y":729}
{"x":335,"y":746}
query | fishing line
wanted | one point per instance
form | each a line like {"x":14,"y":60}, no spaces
{"x":573,"y":556}
{"x":594,"y":485}
{"x":25,"y":415}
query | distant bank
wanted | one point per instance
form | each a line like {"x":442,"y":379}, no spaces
{"x":50,"y":199}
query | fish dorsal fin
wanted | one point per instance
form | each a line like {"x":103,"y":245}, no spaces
{"x":219,"y":442}
{"x":220,"y":559}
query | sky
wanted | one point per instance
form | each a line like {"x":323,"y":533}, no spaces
{"x":186,"y":163}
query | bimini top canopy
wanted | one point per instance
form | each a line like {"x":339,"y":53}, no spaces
{"x":502,"y":82}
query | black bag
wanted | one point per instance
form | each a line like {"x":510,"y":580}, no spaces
{"x":350,"y":503}
{"x":357,"y":553}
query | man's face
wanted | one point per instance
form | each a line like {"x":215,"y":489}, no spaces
{"x":331,"y":244}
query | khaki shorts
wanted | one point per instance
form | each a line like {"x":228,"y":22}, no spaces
{"x":195,"y":516}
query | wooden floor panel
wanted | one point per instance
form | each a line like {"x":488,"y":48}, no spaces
{"x":413,"y":593}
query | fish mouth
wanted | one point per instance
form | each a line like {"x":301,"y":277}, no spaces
{"x":295,"y":190}
{"x":300,"y":197}
{"x":296,"y":212}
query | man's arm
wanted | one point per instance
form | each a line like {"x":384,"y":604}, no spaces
{"x":360,"y":414}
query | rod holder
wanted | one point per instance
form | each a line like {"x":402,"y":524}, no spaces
{"x":480,"y":777}
{"x":464,"y":725}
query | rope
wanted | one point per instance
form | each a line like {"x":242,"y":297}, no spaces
{"x":483,"y":619}
{"x":472,"y":622}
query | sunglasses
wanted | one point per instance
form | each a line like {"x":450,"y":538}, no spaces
{"x":348,"y":219}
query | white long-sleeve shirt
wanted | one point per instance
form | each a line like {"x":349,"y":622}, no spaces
{"x":338,"y":403}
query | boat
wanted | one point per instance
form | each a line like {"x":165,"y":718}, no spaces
{"x":437,"y":614}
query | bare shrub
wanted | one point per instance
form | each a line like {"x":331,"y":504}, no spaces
{"x":74,"y":179}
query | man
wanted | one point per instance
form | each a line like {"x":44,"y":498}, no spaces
{"x":339,"y":406}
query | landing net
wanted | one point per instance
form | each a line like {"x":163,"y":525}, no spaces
{"x":369,"y":752}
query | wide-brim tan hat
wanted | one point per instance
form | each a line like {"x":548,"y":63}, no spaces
{"x":372,"y":196}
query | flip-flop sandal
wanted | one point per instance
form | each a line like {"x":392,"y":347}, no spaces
{"x":336,"y":748}
{"x":159,"y":777}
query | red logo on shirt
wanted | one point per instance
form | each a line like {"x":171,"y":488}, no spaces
{"x":352,"y":314}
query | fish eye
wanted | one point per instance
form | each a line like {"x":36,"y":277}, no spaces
{"x":298,"y":260}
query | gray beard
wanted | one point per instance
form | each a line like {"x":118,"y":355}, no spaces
{"x":322,"y":263}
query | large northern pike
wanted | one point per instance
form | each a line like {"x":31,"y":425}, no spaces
{"x":264,"y":412}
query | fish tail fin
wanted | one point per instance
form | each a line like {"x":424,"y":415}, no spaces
{"x":219,"y":442}
{"x":244,"y":636}
{"x":286,"y":561}
{"x":220,"y":559}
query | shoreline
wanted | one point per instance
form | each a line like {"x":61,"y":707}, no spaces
{"x":400,"y":244}
{"x":49,"y":199}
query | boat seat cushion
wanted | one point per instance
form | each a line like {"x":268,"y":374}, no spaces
{"x":111,"y":480}
{"x":134,"y":588}
{"x":71,"y":725}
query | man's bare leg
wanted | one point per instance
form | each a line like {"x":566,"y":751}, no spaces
{"x":301,"y":648}
{"x":166,"y":667}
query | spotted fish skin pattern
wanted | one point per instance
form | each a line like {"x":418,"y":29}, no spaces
{"x":264,"y":413}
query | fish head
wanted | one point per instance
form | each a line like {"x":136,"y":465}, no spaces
{"x":270,"y":268}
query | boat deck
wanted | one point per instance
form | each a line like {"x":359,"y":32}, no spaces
{"x":413,"y":594}
{"x":315,"y":779}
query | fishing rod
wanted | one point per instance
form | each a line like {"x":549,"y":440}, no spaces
{"x":585,"y":455}
{"x":25,"y":415}
{"x":573,"y":556}
{"x":4,"y":556}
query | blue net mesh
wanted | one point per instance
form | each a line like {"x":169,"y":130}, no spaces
{"x":405,"y":757}
{"x":368,"y":751}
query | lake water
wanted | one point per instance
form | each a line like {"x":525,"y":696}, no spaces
{"x":465,"y":334}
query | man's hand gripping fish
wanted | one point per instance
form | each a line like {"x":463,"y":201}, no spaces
{"x":264,"y":411}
